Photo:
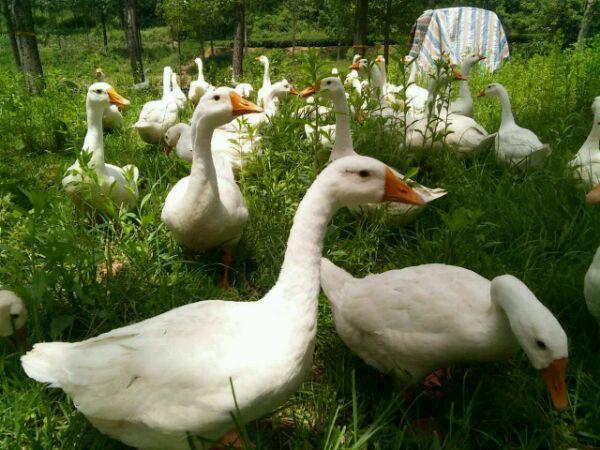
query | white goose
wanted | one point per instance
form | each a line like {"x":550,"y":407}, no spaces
{"x":333,"y":89}
{"x":157,"y":116}
{"x":13,"y":315}
{"x":158,"y":383}
{"x":515,"y":145}
{"x":586,"y":163}
{"x":114,"y":184}
{"x":418,"y":319}
{"x":143,"y":84}
{"x":179,"y":136}
{"x":266,"y":84}
{"x":206,"y":209}
{"x":112,"y":118}
{"x":591,"y":287}
{"x":177,"y":93}
{"x":463,"y":104}
{"x":244,"y":90}
{"x":198,"y":87}
{"x":416,"y":96}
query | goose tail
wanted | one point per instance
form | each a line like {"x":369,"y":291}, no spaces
{"x":45,"y":362}
{"x":333,"y":280}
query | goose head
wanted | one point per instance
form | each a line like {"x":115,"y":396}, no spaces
{"x":538,"y":332}
{"x":330,"y":87}
{"x":282,"y":88}
{"x":221,"y":106}
{"x":13,"y":315}
{"x":380,"y":62}
{"x":356,"y":180}
{"x":99,"y":74}
{"x":172,"y":137}
{"x":262,"y":59}
{"x":355,"y":58}
{"x":491,"y":90}
{"x":472,"y":59}
{"x":101,"y":95}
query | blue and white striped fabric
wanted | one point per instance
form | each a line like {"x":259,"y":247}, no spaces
{"x":456,"y":32}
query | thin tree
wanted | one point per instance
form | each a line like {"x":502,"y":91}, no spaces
{"x":386,"y":32}
{"x":29,"y":56}
{"x":103,"y":6}
{"x":584,"y":30}
{"x":361,"y":21}
{"x":133,"y":39}
{"x":238,"y":39}
{"x":10,"y":29}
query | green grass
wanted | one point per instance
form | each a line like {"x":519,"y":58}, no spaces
{"x":493,"y":221}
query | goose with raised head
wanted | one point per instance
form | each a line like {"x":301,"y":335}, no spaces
{"x":515,"y":146}
{"x":199,"y":86}
{"x":112,"y":118}
{"x":169,"y":380}
{"x":177,"y":93}
{"x":206,"y":209}
{"x":586,"y":163}
{"x":143,"y":84}
{"x":13,"y":315}
{"x":266,"y":84}
{"x":110,"y":184}
{"x":333,"y":89}
{"x":419,"y":319}
{"x":463,"y":104}
{"x":157,"y":116}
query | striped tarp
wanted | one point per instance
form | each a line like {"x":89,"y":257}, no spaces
{"x":456,"y":32}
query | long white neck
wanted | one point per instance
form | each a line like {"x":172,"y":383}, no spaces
{"x":343,"y":145}
{"x":200,"y":70}
{"x":266,"y":74}
{"x":412,"y":75}
{"x":463,"y":88}
{"x":507,"y":114}
{"x":166,"y":83}
{"x":94,"y":140}
{"x":270,"y":103}
{"x":592,"y":143}
{"x":202,"y":185}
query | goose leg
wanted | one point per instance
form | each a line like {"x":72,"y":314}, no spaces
{"x":229,"y":441}
{"x":227,"y":257}
{"x":433,"y":382}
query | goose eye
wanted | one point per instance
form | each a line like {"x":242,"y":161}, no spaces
{"x":364,"y":173}
{"x":541,"y":345}
{"x":329,"y":82}
{"x":98,"y":91}
{"x":217,"y":98}
{"x":14,"y":316}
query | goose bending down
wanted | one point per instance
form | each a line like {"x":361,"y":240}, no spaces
{"x":206,"y":209}
{"x":515,"y":145}
{"x":112,"y":118}
{"x":586,"y":163}
{"x":13,"y":315}
{"x":266,"y":84}
{"x":144,"y":84}
{"x":463,"y":104}
{"x":422,"y":318}
{"x":591,"y":287}
{"x":177,"y":93}
{"x":198,"y":87}
{"x":157,"y":116}
{"x":168,"y":380}
{"x":179,"y":137}
{"x":333,"y":89}
{"x":111,"y":184}
{"x":244,"y":90}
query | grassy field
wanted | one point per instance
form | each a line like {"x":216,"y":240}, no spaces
{"x":494,"y":221}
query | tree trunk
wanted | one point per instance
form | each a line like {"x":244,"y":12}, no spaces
{"x":11,"y":32}
{"x":361,"y":26}
{"x":31,"y":65}
{"x":133,"y":39}
{"x":386,"y":33}
{"x":584,"y":30}
{"x":238,"y":40}
{"x":103,"y":22}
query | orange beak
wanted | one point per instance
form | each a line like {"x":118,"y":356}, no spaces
{"x":593,"y":197}
{"x":379,"y":59}
{"x":116,"y":99}
{"x":354,"y":66}
{"x":457,"y":75}
{"x":481,"y":93}
{"x":242,"y":106}
{"x":293,"y":91}
{"x":310,"y":90}
{"x":481,"y":57}
{"x":554,"y":375}
{"x":397,"y":190}
{"x":167,"y":149}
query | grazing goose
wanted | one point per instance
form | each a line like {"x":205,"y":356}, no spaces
{"x":112,"y":118}
{"x":586,"y":163}
{"x":515,"y":145}
{"x":179,"y":136}
{"x":333,"y":89}
{"x":198,"y":87}
{"x":110,"y":184}
{"x":591,"y":287}
{"x":169,"y":380}
{"x":157,"y":116}
{"x":266,"y":84}
{"x":463,"y":104}
{"x":206,"y":209}
{"x":177,"y":93}
{"x":13,"y":315}
{"x":422,"y":318}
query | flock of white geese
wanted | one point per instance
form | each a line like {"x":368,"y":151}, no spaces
{"x":156,"y":383}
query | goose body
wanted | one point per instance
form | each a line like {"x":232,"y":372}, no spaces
{"x":115,"y":184}
{"x":591,"y":287}
{"x":416,"y":96}
{"x":418,"y":319}
{"x":515,"y":145}
{"x":244,"y":90}
{"x":13,"y":313}
{"x":178,"y":95}
{"x":157,"y":383}
{"x":200,"y":86}
{"x":157,"y":116}
{"x":586,"y":163}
